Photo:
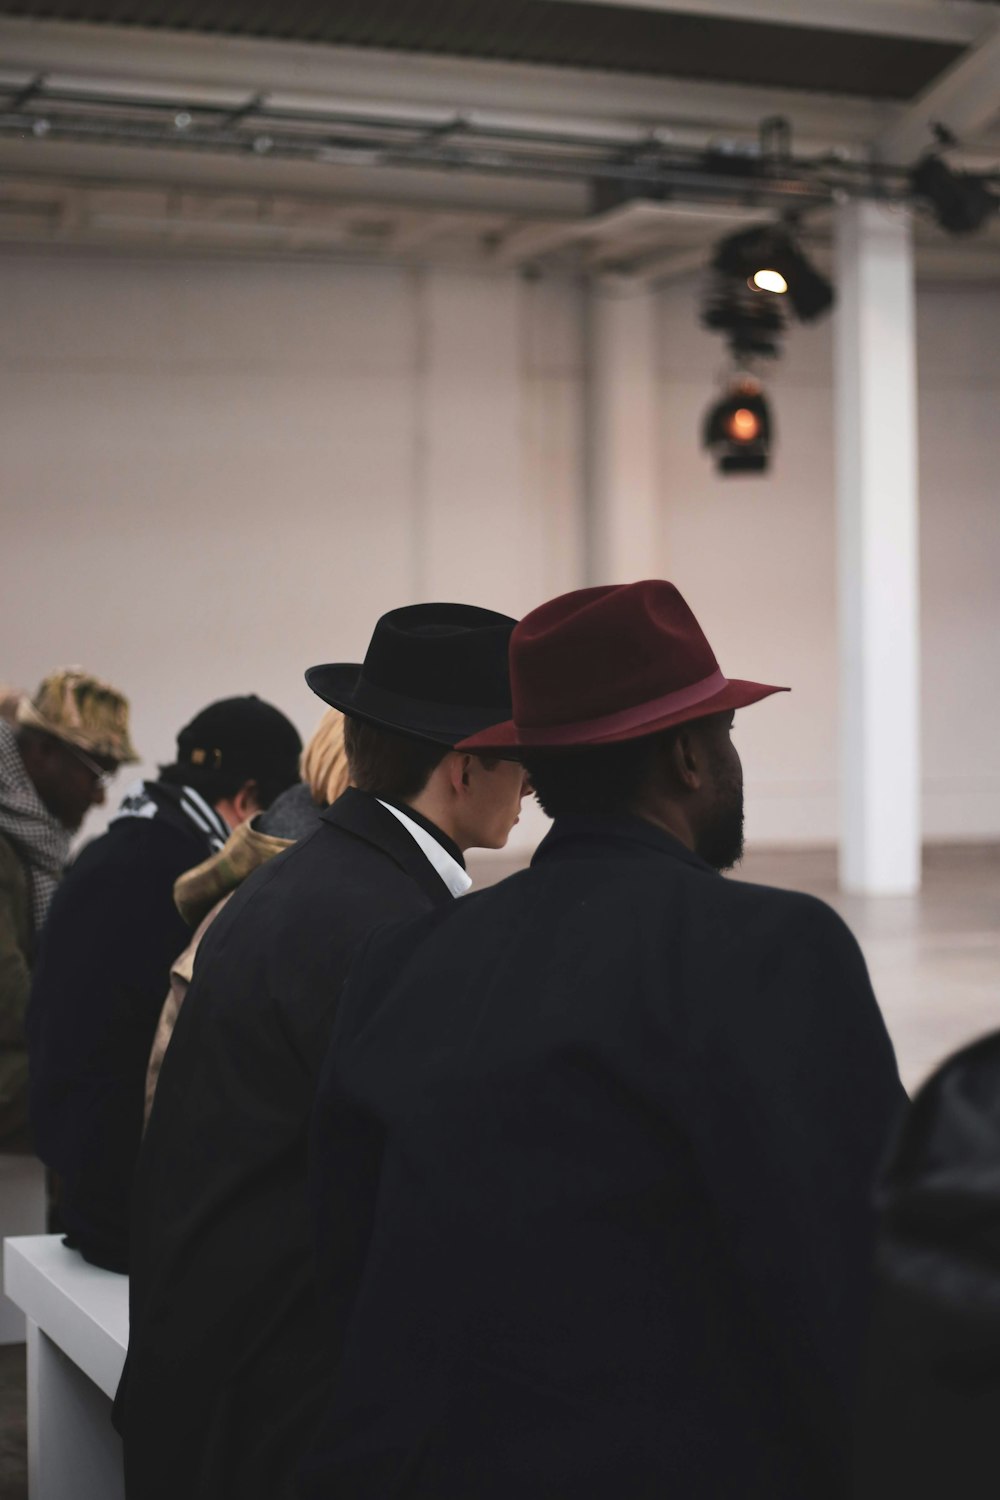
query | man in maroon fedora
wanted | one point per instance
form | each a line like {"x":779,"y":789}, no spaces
{"x":593,"y":1150}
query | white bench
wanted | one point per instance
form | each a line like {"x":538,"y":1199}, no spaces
{"x":22,"y":1211}
{"x":77,"y":1325}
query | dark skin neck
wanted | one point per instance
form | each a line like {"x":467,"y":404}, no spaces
{"x":668,"y":798}
{"x":668,"y":815}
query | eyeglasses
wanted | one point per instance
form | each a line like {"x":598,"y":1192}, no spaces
{"x":102,"y":776}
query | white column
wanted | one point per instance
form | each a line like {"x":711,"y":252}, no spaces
{"x":876,"y":397}
{"x":623,"y":504}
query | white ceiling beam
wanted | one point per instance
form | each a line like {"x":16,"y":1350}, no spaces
{"x":414,"y":231}
{"x":670,"y":266}
{"x":388,"y":227}
{"x":923,"y":20}
{"x":43,"y":212}
{"x":966,"y":98}
{"x":444,"y":190}
{"x":528,"y":242}
{"x":374,"y":79}
{"x":183,"y":229}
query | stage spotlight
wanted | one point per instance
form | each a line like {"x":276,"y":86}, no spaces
{"x":753,"y":325}
{"x":769,"y":281}
{"x":768,"y":260}
{"x":738,"y":430}
{"x":961,"y":201}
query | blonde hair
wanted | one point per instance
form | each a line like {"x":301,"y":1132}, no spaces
{"x":324,"y":761}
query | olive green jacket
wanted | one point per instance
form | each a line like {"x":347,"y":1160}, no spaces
{"x":16,"y":953}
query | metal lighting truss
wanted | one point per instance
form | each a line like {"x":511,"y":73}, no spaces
{"x":619,"y":163}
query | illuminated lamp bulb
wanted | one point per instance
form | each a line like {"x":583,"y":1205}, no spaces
{"x":769,"y":281}
{"x":743,"y":425}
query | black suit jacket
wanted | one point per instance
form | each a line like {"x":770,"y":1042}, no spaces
{"x":930,"y":1411}
{"x":223,"y":1378}
{"x":99,"y":984}
{"x":592,"y":1166}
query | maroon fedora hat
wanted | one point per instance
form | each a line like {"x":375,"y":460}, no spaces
{"x":606,"y":664}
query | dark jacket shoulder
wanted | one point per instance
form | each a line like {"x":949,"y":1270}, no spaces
{"x":15,"y":899}
{"x":16,"y":954}
{"x":931,"y":1398}
{"x":98,"y":986}
{"x":305,"y":912}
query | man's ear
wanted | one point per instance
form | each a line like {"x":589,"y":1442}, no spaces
{"x":458,"y":769}
{"x":246,"y":801}
{"x":685,"y":758}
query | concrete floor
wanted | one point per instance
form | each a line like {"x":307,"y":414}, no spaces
{"x":934,"y":959}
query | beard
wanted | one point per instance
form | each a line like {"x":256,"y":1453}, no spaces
{"x":720,"y":838}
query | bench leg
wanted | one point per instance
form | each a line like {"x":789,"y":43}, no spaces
{"x":74,"y":1452}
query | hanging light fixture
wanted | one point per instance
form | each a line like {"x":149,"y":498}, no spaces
{"x":767,"y":259}
{"x":962,"y":201}
{"x":738,"y":429}
{"x":751,"y":324}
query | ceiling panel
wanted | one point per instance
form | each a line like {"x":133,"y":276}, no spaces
{"x":596,"y":36}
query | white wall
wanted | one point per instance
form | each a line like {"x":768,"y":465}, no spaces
{"x":214,"y":474}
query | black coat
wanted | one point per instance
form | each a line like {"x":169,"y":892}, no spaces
{"x":930,"y":1414}
{"x":225,"y":1370}
{"x":592,"y":1162}
{"x":99,"y":984}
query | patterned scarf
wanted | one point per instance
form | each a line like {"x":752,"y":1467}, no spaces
{"x":156,"y":799}
{"x":38,"y":838}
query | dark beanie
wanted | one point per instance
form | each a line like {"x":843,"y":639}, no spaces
{"x":245,"y":736}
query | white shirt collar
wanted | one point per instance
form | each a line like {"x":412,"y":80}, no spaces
{"x":455,"y":878}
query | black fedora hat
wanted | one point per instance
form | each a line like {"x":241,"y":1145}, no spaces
{"x":433,"y":671}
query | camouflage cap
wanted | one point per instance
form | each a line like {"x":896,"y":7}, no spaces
{"x":83,"y":711}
